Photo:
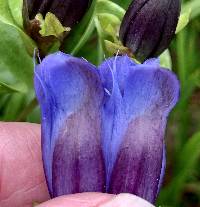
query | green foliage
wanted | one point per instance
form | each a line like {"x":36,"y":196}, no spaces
{"x":194,"y":5}
{"x":5,"y":88}
{"x":165,"y":60}
{"x":183,"y":20}
{"x":11,"y":11}
{"x":12,"y":52}
{"x":15,"y":44}
{"x":15,"y":8}
{"x":108,"y":7}
{"x":101,"y":15}
{"x":81,"y":33}
{"x":171,"y":194}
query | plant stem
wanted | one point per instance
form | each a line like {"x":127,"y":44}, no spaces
{"x":182,"y":70}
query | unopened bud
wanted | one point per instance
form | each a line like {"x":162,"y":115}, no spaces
{"x":149,"y":25}
{"x":69,"y":12}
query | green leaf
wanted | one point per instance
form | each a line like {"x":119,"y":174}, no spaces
{"x":183,"y":20}
{"x":29,"y":44}
{"x":101,"y":9}
{"x":5,"y":14}
{"x":109,"y":7}
{"x":85,"y":37}
{"x":51,"y":26}
{"x":108,"y":19}
{"x":15,"y":7}
{"x":185,"y":164}
{"x":16,"y":47}
{"x":123,"y":3}
{"x":5,"y":88}
{"x":194,"y":82}
{"x":100,"y":40}
{"x":165,"y":59}
{"x":81,"y":33}
{"x":14,"y":55}
{"x":14,"y":106}
{"x":11,"y":12}
{"x":109,"y":24}
{"x":54,"y":47}
{"x":194,"y":5}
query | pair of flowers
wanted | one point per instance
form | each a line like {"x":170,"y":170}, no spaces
{"x":103,"y":128}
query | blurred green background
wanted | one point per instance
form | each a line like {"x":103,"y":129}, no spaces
{"x":182,"y":181}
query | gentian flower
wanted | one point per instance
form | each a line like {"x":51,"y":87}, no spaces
{"x":69,"y":12}
{"x":149,"y":26}
{"x":103,"y":130}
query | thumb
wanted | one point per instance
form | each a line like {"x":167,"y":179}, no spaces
{"x":126,"y":200}
{"x":77,"y":200}
{"x":97,"y":200}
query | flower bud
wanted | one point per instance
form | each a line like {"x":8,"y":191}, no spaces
{"x":149,"y":25}
{"x":69,"y":12}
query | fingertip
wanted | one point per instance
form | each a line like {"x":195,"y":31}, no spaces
{"x":126,"y":200}
{"x":97,"y":200}
{"x":78,"y":200}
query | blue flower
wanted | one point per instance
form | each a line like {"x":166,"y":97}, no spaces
{"x":103,"y":130}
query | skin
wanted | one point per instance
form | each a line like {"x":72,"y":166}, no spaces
{"x":22,"y":180}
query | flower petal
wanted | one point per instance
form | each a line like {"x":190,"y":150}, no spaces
{"x":162,"y":172}
{"x":70,"y":95}
{"x":113,"y":79}
{"x":136,"y":130}
{"x":124,"y":64}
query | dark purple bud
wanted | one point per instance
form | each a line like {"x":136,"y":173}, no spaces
{"x":149,"y":25}
{"x":69,"y":12}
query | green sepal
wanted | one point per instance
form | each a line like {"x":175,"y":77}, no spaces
{"x":51,"y":26}
{"x":165,"y":59}
{"x":113,"y":48}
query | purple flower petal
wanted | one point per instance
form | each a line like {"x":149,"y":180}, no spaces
{"x":70,"y":95}
{"x":124,"y":64}
{"x":162,"y":172}
{"x":118,"y":114}
{"x":113,"y":79}
{"x":134,"y":127}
